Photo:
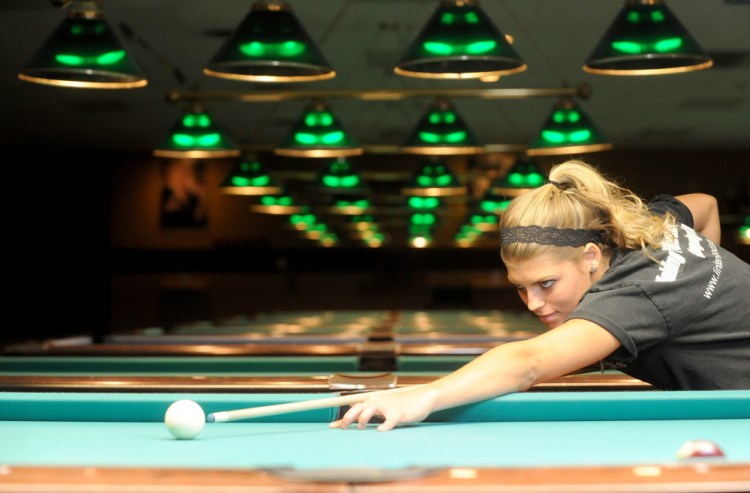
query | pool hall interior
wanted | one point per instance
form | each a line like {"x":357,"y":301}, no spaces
{"x":143,"y":270}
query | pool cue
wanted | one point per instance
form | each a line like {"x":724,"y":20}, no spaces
{"x":290,"y":407}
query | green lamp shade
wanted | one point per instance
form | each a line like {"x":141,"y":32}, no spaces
{"x":459,"y":41}
{"x":743,"y":232}
{"x":483,"y":221}
{"x":340,"y":176}
{"x":352,"y":205}
{"x":467,"y":235}
{"x":249,"y":177}
{"x":363,"y":223}
{"x":374,"y":240}
{"x":83,"y":52}
{"x":281,"y":203}
{"x":423,"y":221}
{"x":434,"y":179}
{"x":328,"y":239}
{"x":493,"y":202}
{"x":423,"y":203}
{"x":567,"y":130}
{"x":196,"y":135}
{"x":270,"y":45}
{"x":646,"y":38}
{"x":442,"y":131}
{"x":318,"y":133}
{"x":520,"y":178}
{"x":304,"y":219}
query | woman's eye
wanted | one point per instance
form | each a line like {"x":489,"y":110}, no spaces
{"x":547,"y":284}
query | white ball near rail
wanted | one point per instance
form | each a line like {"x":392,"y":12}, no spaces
{"x":185,"y":419}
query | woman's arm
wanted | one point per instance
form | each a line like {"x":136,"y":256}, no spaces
{"x":510,"y":367}
{"x":705,"y":210}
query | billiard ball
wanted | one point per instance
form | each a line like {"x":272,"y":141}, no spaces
{"x":699,"y":449}
{"x":184,"y":419}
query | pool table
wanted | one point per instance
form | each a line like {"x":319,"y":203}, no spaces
{"x":524,"y":442}
{"x":366,"y":356}
{"x":333,"y":328}
{"x":250,"y":373}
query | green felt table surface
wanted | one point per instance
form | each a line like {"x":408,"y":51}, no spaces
{"x":524,"y":429}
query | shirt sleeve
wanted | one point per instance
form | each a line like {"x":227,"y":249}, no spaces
{"x":628,"y":314}
{"x":661,"y":204}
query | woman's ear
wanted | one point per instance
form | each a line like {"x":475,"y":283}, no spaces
{"x":592,"y":255}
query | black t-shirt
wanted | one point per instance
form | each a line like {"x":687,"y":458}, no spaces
{"x":684,"y":323}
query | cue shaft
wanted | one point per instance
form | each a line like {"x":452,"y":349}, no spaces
{"x":291,"y":407}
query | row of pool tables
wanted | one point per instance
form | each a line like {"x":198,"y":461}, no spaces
{"x":78,"y":415}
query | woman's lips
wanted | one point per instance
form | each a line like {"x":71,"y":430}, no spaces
{"x":547,"y":319}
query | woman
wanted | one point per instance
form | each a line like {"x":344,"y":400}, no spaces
{"x":643,"y":289}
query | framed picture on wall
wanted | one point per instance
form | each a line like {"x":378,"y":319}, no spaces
{"x":183,"y":196}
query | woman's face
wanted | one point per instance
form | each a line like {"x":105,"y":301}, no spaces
{"x":549,"y":287}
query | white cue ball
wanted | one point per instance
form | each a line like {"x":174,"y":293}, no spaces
{"x":185,"y":419}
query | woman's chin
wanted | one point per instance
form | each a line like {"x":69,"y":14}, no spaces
{"x":552,"y":321}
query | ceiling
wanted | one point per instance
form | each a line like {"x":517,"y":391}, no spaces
{"x":171,"y":40}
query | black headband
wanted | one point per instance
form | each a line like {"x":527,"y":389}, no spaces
{"x":550,"y":236}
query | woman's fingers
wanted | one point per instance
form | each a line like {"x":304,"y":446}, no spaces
{"x":389,"y":423}
{"x":349,"y":417}
{"x":366,"y":413}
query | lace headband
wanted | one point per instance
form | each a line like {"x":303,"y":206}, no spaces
{"x":550,"y":236}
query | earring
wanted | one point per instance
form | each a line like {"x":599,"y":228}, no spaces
{"x":593,"y":269}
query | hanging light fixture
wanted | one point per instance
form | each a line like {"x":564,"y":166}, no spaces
{"x":83,"y":52}
{"x":442,"y":131}
{"x":350,"y":205}
{"x":281,"y":203}
{"x":270,"y":45}
{"x":434,"y":178}
{"x":743,"y":232}
{"x":646,"y":38}
{"x":423,"y":203}
{"x":250,"y":177}
{"x":483,"y":221}
{"x":340,"y":177}
{"x":567,"y":130}
{"x":459,"y":41}
{"x":366,"y":229}
{"x":467,"y":235}
{"x":318,"y":133}
{"x":494,"y":201}
{"x":196,"y":135}
{"x":520,"y":178}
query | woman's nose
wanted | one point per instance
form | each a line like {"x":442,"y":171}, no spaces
{"x":534,"y":302}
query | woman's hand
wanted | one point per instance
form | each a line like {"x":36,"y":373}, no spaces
{"x":407,"y":407}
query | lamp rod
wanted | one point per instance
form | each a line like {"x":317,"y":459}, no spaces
{"x":582,"y":91}
{"x":396,"y":149}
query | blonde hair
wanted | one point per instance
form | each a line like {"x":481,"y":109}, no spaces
{"x":577,"y":196}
